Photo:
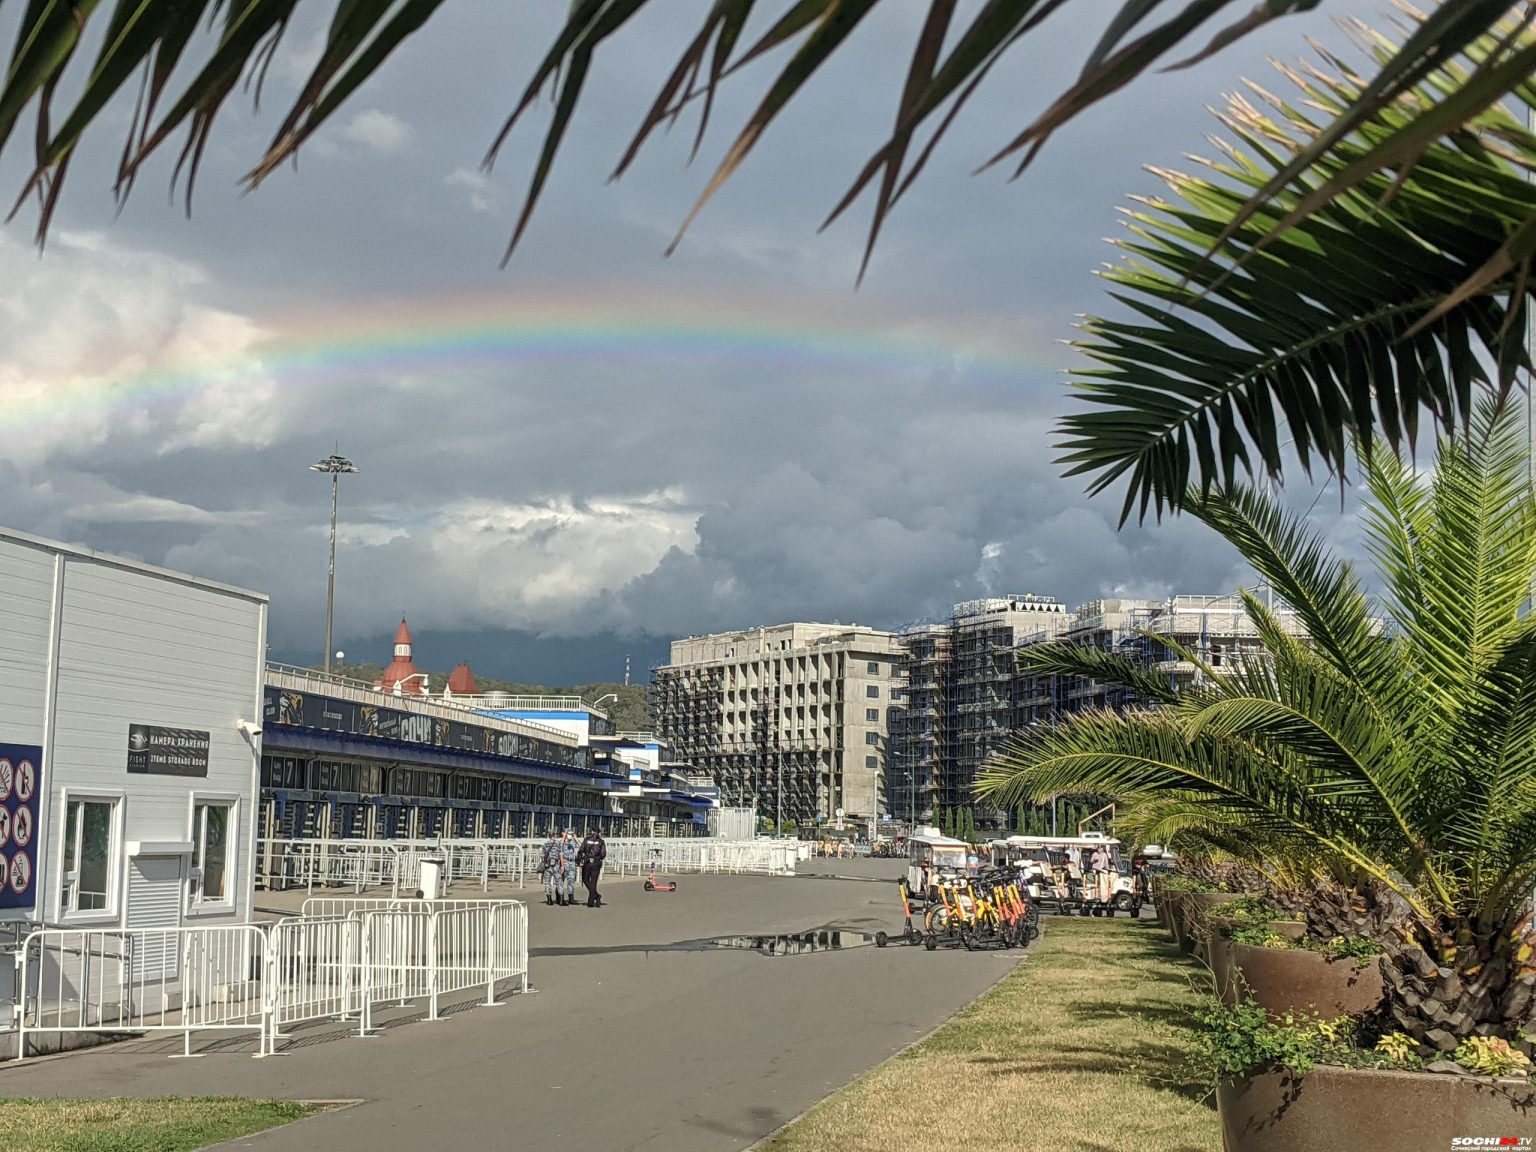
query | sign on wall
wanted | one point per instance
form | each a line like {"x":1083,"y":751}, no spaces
{"x":159,"y":751}
{"x":20,"y":786}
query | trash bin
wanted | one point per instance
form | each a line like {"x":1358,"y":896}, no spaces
{"x":431,"y":878}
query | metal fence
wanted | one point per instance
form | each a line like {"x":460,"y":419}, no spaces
{"x":422,"y":950}
{"x":341,"y":959}
{"x":396,"y":864}
{"x":144,"y":980}
{"x":313,"y":970}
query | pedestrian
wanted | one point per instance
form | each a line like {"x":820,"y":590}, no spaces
{"x":1099,"y":863}
{"x":567,"y":889}
{"x":549,"y":866}
{"x":593,"y":851}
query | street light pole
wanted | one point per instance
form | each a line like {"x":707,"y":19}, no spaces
{"x":334,"y":465}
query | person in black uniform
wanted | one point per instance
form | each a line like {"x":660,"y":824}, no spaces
{"x":593,"y":851}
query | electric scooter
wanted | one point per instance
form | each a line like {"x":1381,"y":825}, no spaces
{"x":654,"y":885}
{"x":909,"y":931}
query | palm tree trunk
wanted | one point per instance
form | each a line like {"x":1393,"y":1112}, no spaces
{"x":1445,"y":985}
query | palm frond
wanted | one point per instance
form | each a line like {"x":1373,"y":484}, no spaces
{"x":1146,"y":756}
{"x":1324,"y":592}
{"x":1061,"y":658}
{"x":1401,"y":112}
{"x":1476,"y":549}
{"x":1331,"y":307}
{"x":1486,"y":802}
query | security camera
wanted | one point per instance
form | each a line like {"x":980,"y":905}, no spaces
{"x":248,"y":729}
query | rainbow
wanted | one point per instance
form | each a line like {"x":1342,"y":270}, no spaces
{"x":848,"y":338}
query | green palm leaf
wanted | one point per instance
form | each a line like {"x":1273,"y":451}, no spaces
{"x":1401,"y":749}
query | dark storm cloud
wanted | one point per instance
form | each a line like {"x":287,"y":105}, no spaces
{"x":589,"y":500}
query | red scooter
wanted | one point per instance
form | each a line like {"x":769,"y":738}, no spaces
{"x":654,"y":885}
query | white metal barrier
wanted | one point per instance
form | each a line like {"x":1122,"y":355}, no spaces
{"x":312,"y":970}
{"x":143,"y":980}
{"x":396,"y":864}
{"x":424,"y":949}
{"x":343,"y":962}
{"x":392,"y":864}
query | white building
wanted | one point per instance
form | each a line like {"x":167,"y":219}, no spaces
{"x":130,"y":704}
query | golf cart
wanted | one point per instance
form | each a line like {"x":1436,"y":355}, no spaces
{"x":1058,"y":871}
{"x":930,"y":856}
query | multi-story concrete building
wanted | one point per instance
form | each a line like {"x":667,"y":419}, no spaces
{"x":1107,"y":624}
{"x":1215,"y":630}
{"x":791,"y":719}
{"x":960,"y":696}
{"x":966,"y":693}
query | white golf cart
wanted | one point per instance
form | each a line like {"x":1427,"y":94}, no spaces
{"x":930,"y":857}
{"x":1060,"y":875}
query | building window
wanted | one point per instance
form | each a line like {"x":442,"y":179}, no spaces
{"x":871,"y":737}
{"x":90,"y":833}
{"x":872,"y":715}
{"x":872,"y":691}
{"x":873,"y":667}
{"x":213,"y":826}
{"x":872,"y":762}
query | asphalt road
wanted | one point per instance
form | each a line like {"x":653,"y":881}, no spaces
{"x":643,"y":1035}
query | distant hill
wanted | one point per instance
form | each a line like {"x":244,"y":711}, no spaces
{"x":628,"y":712}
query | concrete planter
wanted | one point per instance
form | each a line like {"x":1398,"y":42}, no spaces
{"x":1177,"y":904}
{"x":1355,"y":1110}
{"x":1292,"y":980}
{"x":1222,"y":972}
{"x":1202,"y":906}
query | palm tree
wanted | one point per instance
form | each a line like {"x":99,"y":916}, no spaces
{"x":1399,"y":748}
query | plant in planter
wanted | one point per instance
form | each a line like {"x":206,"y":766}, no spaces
{"x":1300,"y":1083}
{"x":1406,"y":753}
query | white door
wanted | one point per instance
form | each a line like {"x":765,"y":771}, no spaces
{"x":154,"y":901}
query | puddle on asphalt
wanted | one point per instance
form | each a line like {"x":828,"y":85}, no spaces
{"x":794,"y":943}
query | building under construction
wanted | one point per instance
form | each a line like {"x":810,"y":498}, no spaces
{"x":791,"y":720}
{"x":960,"y":697}
{"x":967,"y":694}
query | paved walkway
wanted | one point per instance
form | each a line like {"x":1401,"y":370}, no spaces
{"x":639,"y":1038}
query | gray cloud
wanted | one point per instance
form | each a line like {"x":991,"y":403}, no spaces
{"x":585,"y":496}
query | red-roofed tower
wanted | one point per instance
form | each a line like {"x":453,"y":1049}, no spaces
{"x":461,"y":682}
{"x":402,"y":672}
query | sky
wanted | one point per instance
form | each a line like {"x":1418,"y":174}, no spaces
{"x":597,"y":448}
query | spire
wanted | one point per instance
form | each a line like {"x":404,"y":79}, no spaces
{"x":402,"y":675}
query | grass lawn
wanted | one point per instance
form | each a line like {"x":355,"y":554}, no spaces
{"x":1080,"y":1049}
{"x":175,"y":1124}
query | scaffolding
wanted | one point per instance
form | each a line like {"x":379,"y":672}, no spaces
{"x":686,"y":703}
{"x":782,"y":764}
{"x":921,"y":742}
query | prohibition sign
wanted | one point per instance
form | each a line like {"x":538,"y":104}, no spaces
{"x":7,"y":776}
{"x":21,"y":873}
{"x":26,"y":780}
{"x":21,"y":827}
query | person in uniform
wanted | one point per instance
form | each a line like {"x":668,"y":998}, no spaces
{"x":566,"y":893}
{"x":549,"y":866}
{"x":590,"y":857}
